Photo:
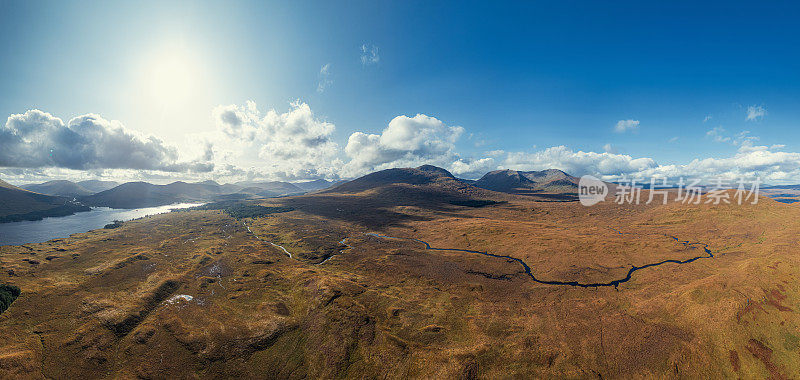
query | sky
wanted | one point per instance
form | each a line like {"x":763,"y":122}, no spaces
{"x":302,"y":90}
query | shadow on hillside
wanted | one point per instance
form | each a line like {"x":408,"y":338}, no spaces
{"x":374,"y":210}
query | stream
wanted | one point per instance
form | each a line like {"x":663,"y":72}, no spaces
{"x":614,"y":283}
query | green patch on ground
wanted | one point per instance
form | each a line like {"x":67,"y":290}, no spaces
{"x":242,"y":210}
{"x":474,"y":202}
{"x":8,"y":293}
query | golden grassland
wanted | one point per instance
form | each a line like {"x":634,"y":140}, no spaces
{"x":101,"y":304}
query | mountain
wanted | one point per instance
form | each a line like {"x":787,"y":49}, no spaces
{"x":62,"y":188}
{"x":143,"y":194}
{"x":96,"y":186}
{"x":315,"y":185}
{"x":423,"y":175}
{"x":520,"y":182}
{"x":19,"y":204}
{"x":270,"y":188}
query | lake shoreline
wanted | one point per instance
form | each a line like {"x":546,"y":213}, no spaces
{"x":57,"y":227}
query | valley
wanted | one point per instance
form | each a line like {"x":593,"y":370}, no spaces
{"x":310,"y":286}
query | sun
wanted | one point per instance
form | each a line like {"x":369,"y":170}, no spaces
{"x":172,"y":78}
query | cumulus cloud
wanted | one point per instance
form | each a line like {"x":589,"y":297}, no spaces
{"x":406,"y":141}
{"x":608,"y":148}
{"x":290,"y":145}
{"x":324,"y":78}
{"x":369,"y":54}
{"x":749,"y":161}
{"x":755,"y":113}
{"x":626,"y":125}
{"x":37,"y":139}
{"x":577,"y":163}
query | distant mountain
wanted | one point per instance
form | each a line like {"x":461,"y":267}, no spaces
{"x":96,"y":186}
{"x":782,"y":187}
{"x":270,"y":188}
{"x":425,"y":175}
{"x":19,"y":204}
{"x":62,"y":188}
{"x":143,"y":194}
{"x":522,"y":182}
{"x":315,"y":185}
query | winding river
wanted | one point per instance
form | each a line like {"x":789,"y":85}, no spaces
{"x":614,"y":283}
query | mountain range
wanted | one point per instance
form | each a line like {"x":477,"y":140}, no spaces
{"x":18,"y":204}
{"x":143,"y":194}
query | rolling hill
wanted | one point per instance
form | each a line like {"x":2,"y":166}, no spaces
{"x":423,"y":175}
{"x":143,"y":194}
{"x":315,"y":185}
{"x":62,"y":188}
{"x":521,"y":182}
{"x":387,"y":275}
{"x":96,"y":186}
{"x":18,"y":204}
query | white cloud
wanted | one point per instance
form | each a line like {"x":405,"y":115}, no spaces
{"x":577,"y":163}
{"x":290,"y":145}
{"x":406,"y":141}
{"x":324,"y":78}
{"x":718,"y":134}
{"x":673,"y":139}
{"x":755,"y":113}
{"x":369,"y":54}
{"x":626,"y":125}
{"x":296,"y":144}
{"x":37,"y":139}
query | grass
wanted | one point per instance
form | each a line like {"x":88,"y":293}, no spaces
{"x":8,"y":293}
{"x":242,"y":209}
{"x":389,"y":309}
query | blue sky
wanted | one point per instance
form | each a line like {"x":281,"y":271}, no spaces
{"x":517,"y":77}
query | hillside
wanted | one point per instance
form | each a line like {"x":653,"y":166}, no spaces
{"x":270,"y":188}
{"x":143,"y":194}
{"x":523,"y":182}
{"x":387,"y":282}
{"x":315,"y":185}
{"x":62,"y":188}
{"x":96,"y":186}
{"x":18,"y":204}
{"x":423,"y":175}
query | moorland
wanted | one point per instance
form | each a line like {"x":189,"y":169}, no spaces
{"x":412,"y":273}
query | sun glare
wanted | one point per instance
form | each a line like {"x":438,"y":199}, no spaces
{"x":173,"y":79}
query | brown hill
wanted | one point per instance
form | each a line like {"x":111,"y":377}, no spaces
{"x":61,"y":188}
{"x":198,"y":294}
{"x":521,"y":182}
{"x":19,"y":204}
{"x":423,"y":175}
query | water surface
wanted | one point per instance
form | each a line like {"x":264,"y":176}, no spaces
{"x":38,"y":231}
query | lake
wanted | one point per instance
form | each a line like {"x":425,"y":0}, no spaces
{"x":39,"y":231}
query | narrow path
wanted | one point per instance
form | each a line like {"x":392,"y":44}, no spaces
{"x":614,"y":283}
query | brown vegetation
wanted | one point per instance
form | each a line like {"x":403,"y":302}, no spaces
{"x":108,"y":303}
